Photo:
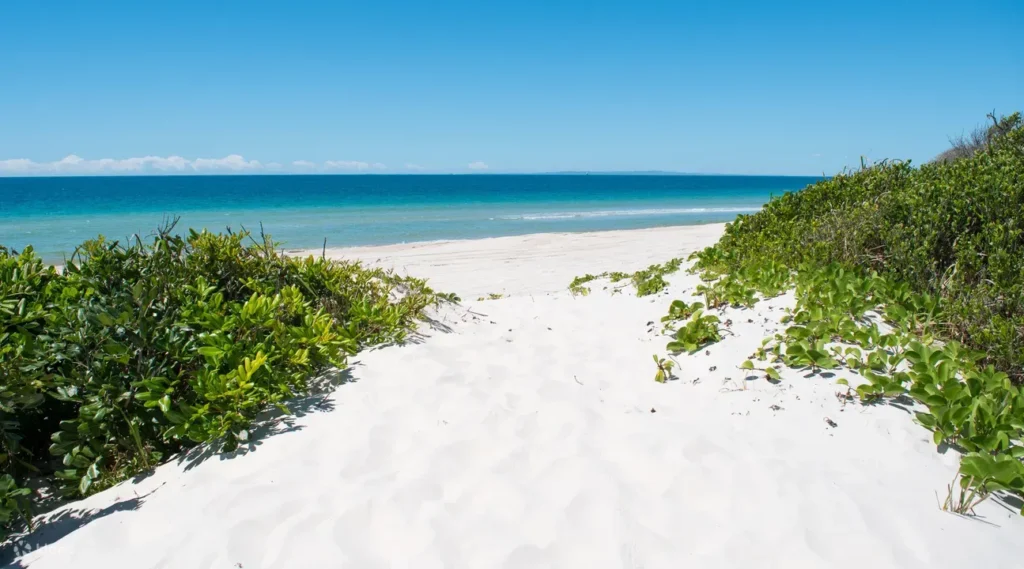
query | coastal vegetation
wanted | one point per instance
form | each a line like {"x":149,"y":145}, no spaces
{"x":646,"y":281}
{"x":949,"y":234}
{"x":909,"y":278}
{"x":664,"y":366}
{"x":137,"y":351}
{"x":914,"y":279}
{"x":700,"y":330}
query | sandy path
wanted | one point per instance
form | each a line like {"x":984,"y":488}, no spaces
{"x":532,"y":435}
{"x":531,"y":264}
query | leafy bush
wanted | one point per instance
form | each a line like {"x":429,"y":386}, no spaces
{"x":950,"y":230}
{"x":964,"y":146}
{"x":137,"y":351}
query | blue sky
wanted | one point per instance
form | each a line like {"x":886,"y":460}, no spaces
{"x":703,"y":87}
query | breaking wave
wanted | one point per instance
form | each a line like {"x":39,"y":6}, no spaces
{"x":623,"y":213}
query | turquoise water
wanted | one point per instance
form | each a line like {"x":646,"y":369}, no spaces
{"x":56,"y":214}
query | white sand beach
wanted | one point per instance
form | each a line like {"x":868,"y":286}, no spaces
{"x":527,"y":432}
{"x":530,"y":264}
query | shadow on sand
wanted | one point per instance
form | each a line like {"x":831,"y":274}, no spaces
{"x":53,"y":526}
{"x":60,"y":521}
{"x":56,"y":521}
{"x":275,"y":421}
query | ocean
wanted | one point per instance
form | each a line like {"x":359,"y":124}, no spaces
{"x":54,"y":215}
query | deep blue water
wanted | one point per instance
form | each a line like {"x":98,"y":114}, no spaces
{"x":56,"y":214}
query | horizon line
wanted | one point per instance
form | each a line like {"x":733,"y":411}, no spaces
{"x":344,"y":174}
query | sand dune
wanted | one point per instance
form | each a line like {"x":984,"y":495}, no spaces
{"x":527,"y":432}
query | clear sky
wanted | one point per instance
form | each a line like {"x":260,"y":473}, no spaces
{"x":379,"y":86}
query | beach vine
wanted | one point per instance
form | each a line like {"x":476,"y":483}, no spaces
{"x":912,"y":279}
{"x":647,"y":281}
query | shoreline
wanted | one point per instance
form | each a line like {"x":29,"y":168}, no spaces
{"x":424,"y":254}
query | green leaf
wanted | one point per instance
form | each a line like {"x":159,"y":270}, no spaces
{"x":210,"y":351}
{"x":934,"y":401}
{"x":926,"y":420}
{"x":84,"y":484}
{"x":174,"y":417}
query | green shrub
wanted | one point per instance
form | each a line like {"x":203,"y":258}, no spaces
{"x":951,"y":231}
{"x":140,"y":350}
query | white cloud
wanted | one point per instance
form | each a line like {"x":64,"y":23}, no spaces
{"x":346,"y":165}
{"x":478,"y":165}
{"x":232,"y":163}
{"x":16,"y":166}
{"x":169,"y":164}
{"x":352,"y":165}
{"x":73,"y":164}
{"x":415,"y":167}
